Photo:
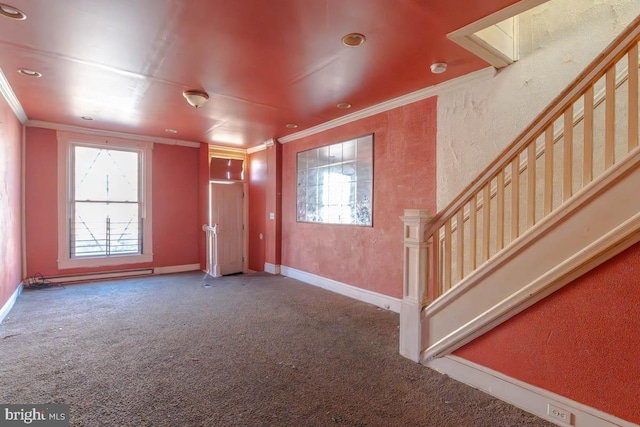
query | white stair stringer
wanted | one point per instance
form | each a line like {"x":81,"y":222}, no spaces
{"x":597,"y":223}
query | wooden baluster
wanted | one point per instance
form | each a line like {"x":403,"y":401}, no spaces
{"x":548,"y":170}
{"x":436,"y":288}
{"x":473,"y":231}
{"x":587,"y":160}
{"x":486,"y":221}
{"x":567,"y":179}
{"x":500,"y":209}
{"x":515,"y":198}
{"x":610,"y":118}
{"x":460,"y":243}
{"x":447,"y":256}
{"x":632,"y":61}
{"x":531,"y":184}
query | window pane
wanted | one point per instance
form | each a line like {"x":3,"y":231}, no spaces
{"x":103,"y":229}
{"x":105,"y":175}
{"x":337,"y":185}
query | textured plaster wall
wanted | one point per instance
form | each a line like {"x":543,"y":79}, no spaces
{"x":580,"y":343}
{"x":404,"y":178}
{"x":558,"y":40}
{"x":257,"y":209}
{"x":10,"y":202}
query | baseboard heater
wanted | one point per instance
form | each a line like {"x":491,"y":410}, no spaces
{"x":100,"y":276}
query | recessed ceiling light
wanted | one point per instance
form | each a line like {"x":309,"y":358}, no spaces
{"x":11,"y":12}
{"x":29,"y":73}
{"x":438,"y":67}
{"x":292,"y":125}
{"x":353,"y":39}
{"x":344,"y":105}
{"x":88,"y":118}
{"x":171,"y":131}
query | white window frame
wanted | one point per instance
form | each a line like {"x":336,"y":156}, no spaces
{"x":66,"y":144}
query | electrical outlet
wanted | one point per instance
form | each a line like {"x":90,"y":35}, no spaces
{"x":560,"y":414}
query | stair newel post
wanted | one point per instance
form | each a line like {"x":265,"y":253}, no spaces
{"x":415,"y":273}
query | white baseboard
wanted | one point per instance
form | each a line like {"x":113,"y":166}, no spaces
{"x":271,"y":268}
{"x":123,"y":273}
{"x":176,"y":269}
{"x":370,"y":297}
{"x":6,"y":308}
{"x":525,"y":396}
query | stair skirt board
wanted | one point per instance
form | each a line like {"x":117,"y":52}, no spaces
{"x":364,"y":295}
{"x":525,"y":396}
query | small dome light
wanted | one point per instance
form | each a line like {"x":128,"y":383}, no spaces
{"x":354,"y":39}
{"x":11,"y":12}
{"x":171,"y":131}
{"x":29,"y":73}
{"x":88,"y":118}
{"x":438,"y":67}
{"x":291,"y":125}
{"x":344,"y":105}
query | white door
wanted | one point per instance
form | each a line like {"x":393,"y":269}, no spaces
{"x":227,"y":212}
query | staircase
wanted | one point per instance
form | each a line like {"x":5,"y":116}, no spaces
{"x":559,"y":201}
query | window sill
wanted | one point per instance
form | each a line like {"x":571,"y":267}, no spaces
{"x":103,"y":261}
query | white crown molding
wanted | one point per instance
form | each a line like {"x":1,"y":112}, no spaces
{"x":364,"y":295}
{"x":419,"y":95}
{"x":535,"y":400}
{"x":11,"y":98}
{"x":257,"y":148}
{"x":109,"y":133}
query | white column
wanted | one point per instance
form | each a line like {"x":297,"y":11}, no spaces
{"x":415,"y":281}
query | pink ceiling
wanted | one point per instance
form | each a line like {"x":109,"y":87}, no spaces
{"x":264,"y":63}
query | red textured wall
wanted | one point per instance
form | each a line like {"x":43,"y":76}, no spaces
{"x":176,"y":222}
{"x":10,"y":202}
{"x":257,"y":209}
{"x":581,"y":342}
{"x":175,"y":204}
{"x":404,"y":177}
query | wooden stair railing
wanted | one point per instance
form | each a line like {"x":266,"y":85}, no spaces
{"x":586,"y":131}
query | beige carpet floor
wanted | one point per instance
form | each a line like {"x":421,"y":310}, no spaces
{"x":248,"y":350}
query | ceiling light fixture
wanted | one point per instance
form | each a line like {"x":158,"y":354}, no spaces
{"x":291,"y":125}
{"x":195,"y":98}
{"x":88,"y":118}
{"x":353,"y":39}
{"x":438,"y":67}
{"x":344,"y":105}
{"x":11,"y":12}
{"x":29,"y":73}
{"x":171,"y":131}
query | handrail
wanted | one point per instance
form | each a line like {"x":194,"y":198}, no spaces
{"x":486,"y":217}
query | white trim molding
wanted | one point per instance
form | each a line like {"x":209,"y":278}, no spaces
{"x":364,"y":295}
{"x":12,"y":99}
{"x":419,"y":95}
{"x":486,"y":45}
{"x":532,"y":399}
{"x":110,"y":134}
{"x":271,"y":268}
{"x":6,"y":308}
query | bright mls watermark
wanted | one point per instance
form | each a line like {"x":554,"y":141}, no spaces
{"x":53,"y":415}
